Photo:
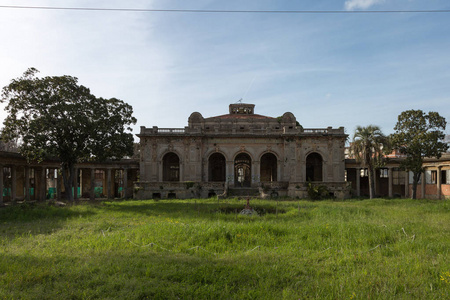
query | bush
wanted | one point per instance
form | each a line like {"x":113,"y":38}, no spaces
{"x":317,"y":192}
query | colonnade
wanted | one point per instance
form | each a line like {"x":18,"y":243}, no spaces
{"x":23,"y":181}
{"x":434,"y":189}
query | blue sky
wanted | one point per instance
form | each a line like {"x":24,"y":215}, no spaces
{"x":328,"y":69}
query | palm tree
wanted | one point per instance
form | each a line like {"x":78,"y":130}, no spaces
{"x":368,"y":146}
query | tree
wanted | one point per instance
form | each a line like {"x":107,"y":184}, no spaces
{"x":56,"y":117}
{"x":368,"y":147}
{"x":419,"y":135}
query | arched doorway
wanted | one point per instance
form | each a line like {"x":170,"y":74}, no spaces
{"x":242,"y":170}
{"x":314,"y":164}
{"x":171,"y":167}
{"x":268,"y":167}
{"x":216,"y":167}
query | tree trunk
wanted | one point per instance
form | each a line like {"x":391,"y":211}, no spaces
{"x":68,"y":173}
{"x":416,"y":178}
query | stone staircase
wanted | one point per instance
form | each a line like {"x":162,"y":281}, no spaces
{"x":243,"y":192}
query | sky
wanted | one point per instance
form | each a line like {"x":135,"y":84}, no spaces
{"x":327,"y":69}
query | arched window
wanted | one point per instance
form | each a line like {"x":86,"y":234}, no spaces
{"x":268,"y":167}
{"x":314,"y":164}
{"x":217,"y":167}
{"x":171,"y":167}
{"x":242,"y":170}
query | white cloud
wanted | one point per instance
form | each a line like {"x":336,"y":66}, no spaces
{"x":361,"y":4}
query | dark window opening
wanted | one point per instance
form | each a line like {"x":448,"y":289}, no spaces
{"x":268,"y":167}
{"x":171,"y":167}
{"x":445,"y":179}
{"x":217,"y":167}
{"x":314,"y":167}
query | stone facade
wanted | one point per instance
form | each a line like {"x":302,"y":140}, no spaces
{"x":242,"y":151}
{"x":237,"y":154}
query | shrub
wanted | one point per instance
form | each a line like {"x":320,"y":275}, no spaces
{"x":317,"y":192}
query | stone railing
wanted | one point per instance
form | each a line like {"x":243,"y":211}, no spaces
{"x":315,"y":130}
{"x":216,"y":130}
{"x":275,"y":185}
{"x":181,"y":185}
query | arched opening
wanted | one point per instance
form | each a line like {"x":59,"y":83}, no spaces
{"x":314,"y":164}
{"x":242,"y":170}
{"x":217,"y":167}
{"x":268,"y":167}
{"x":171,"y":167}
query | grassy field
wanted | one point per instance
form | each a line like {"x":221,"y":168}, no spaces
{"x":201,"y":249}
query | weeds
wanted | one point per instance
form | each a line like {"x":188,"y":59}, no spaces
{"x":202,"y":249}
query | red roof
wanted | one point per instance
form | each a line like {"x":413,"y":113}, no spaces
{"x":242,"y":116}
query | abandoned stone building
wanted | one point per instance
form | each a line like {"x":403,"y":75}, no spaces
{"x":240,"y":153}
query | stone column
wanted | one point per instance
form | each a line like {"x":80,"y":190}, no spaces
{"x":1,"y":185}
{"x":375,"y":182}
{"x":26,"y":171}
{"x":424,"y":182}
{"x":13,"y":183}
{"x":391,"y":181}
{"x":181,"y":171}
{"x":438,"y":182}
{"x":256,"y":172}
{"x":92,"y":192}
{"x":108,"y":183}
{"x":230,"y":173}
{"x":43,"y":184}
{"x":358,"y":182}
{"x":159,"y":170}
{"x":406,"y":184}
{"x":81,"y":182}
{"x":125,"y":183}
{"x":75,"y":183}
{"x":58,"y":185}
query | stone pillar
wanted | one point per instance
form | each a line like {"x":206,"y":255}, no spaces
{"x":26,"y":170}
{"x":375,"y":182}
{"x":92,"y":192}
{"x":230,"y":173}
{"x":108,"y":183}
{"x":13,"y":183}
{"x":391,"y":181}
{"x":424,"y":182}
{"x":75,"y":183}
{"x":1,"y":184}
{"x":256,"y":173}
{"x":43,"y":184}
{"x":181,"y":171}
{"x":438,"y":182}
{"x":125,"y":183}
{"x":58,"y":185}
{"x":81,"y":182}
{"x":406,"y":184}
{"x":358,"y":182}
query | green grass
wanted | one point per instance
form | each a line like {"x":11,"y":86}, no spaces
{"x":200,"y":249}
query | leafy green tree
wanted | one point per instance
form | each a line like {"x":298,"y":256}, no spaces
{"x":368,"y":146}
{"x":419,"y":135}
{"x":57,"y":117}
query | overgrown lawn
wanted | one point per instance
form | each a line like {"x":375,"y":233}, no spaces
{"x":202,"y":249}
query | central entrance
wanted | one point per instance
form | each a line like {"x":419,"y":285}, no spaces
{"x":242,"y":170}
